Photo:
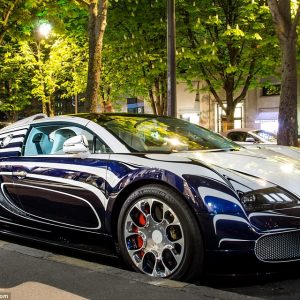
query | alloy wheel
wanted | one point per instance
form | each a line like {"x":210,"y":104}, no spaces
{"x":154,"y":237}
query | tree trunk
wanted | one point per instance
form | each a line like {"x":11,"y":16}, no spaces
{"x":287,"y":129}
{"x":228,"y":121}
{"x":51,"y":105}
{"x":152,"y":102}
{"x":286,"y":29}
{"x":44,"y":108}
{"x":97,"y":25}
{"x":158,"y":97}
{"x":164,"y":95}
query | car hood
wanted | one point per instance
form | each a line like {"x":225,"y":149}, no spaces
{"x":292,"y":152}
{"x":265,"y":164}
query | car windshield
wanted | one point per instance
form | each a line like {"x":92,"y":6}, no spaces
{"x":268,"y":136}
{"x":148,"y":133}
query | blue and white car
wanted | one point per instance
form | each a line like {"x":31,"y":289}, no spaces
{"x":168,"y":196}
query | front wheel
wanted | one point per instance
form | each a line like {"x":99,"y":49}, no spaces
{"x":158,"y":234}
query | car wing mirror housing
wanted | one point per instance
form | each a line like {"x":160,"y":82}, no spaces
{"x":76,"y":145}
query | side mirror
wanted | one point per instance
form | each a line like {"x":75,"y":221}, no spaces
{"x":76,"y":145}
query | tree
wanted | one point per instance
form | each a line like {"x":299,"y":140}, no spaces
{"x":136,"y":35}
{"x":97,"y":24}
{"x":229,"y":45}
{"x":7,"y":8}
{"x":15,"y":81}
{"x":16,"y":15}
{"x":42,"y":70}
{"x":60,"y":70}
{"x":285,"y":23}
{"x":56,"y":67}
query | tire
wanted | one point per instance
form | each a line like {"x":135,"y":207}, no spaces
{"x":158,"y":235}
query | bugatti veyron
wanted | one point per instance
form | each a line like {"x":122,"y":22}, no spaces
{"x":166,"y":195}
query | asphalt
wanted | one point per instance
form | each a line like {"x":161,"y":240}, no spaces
{"x":30,"y":273}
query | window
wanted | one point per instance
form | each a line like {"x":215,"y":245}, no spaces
{"x":47,"y":140}
{"x":271,"y":90}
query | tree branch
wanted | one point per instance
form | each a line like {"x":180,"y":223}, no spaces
{"x":211,"y":88}
{"x":85,"y":3}
{"x":5,"y":19}
{"x":8,"y":13}
{"x":247,"y":83}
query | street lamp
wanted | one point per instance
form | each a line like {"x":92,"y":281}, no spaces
{"x":44,"y":30}
{"x":41,"y":32}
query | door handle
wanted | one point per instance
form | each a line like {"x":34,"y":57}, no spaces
{"x":20,"y":174}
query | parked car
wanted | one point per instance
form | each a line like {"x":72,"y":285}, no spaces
{"x":246,"y":136}
{"x":167,"y":195}
{"x":260,"y":139}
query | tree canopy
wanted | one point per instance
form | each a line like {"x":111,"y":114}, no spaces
{"x":230,"y":45}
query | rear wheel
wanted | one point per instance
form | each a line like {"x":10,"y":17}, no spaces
{"x":158,"y":234}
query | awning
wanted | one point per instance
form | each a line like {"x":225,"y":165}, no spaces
{"x":267,"y":116}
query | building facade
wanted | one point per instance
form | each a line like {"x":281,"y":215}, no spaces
{"x":259,"y":109}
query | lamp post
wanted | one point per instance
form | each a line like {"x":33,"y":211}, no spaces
{"x":171,"y":45}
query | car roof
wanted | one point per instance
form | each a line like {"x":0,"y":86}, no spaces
{"x":241,"y":130}
{"x":81,"y":118}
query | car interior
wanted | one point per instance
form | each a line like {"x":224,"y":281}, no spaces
{"x":47,"y":140}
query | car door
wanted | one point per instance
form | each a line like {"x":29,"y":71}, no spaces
{"x":58,"y":189}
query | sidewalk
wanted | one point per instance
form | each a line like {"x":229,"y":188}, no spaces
{"x":28,"y":273}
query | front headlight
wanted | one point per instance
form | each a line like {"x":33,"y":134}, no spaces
{"x":268,"y":199}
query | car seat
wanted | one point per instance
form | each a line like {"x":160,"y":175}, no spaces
{"x":60,"y":136}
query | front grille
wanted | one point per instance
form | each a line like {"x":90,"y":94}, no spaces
{"x":278,"y":247}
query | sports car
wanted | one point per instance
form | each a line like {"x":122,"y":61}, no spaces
{"x":168,"y":196}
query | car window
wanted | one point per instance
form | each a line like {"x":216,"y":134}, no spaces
{"x":237,"y":136}
{"x":49,"y":139}
{"x":268,"y":136}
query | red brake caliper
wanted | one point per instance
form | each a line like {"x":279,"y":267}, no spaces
{"x":142,"y":222}
{"x":142,"y":219}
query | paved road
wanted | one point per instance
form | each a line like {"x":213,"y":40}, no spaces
{"x":47,"y":273}
{"x":278,"y":287}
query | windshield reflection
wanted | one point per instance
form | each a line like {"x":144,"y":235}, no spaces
{"x":147,"y":133}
